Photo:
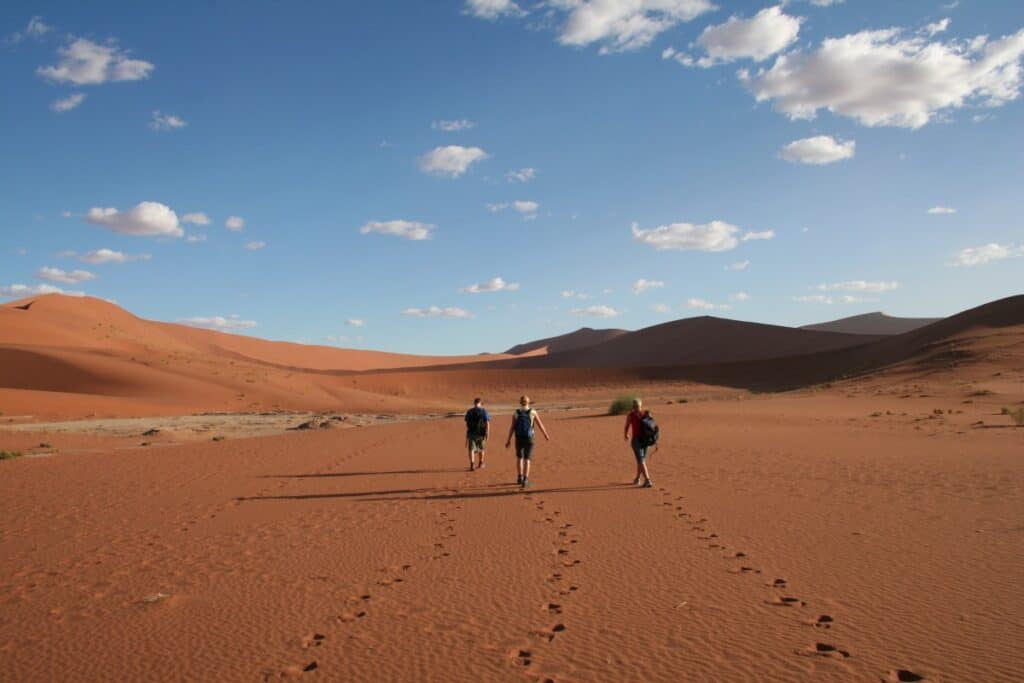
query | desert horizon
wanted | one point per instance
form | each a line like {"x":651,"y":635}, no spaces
{"x":542,"y":341}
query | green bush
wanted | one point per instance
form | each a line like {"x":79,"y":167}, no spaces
{"x":621,"y":405}
{"x":8,"y":455}
{"x":1015,"y":415}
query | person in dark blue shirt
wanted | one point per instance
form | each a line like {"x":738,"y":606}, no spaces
{"x":478,"y":428}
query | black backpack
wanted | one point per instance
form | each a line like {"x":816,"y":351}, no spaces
{"x":524,"y":425}
{"x":649,"y":431}
{"x":476,"y":423}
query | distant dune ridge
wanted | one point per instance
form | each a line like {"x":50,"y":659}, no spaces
{"x":876,"y":323}
{"x":67,"y":356}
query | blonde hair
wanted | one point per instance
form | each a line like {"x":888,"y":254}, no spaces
{"x":524,"y":400}
{"x":637,"y":403}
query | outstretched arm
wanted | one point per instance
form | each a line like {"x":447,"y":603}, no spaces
{"x":625,"y":431}
{"x":511,"y":430}
{"x":543,"y":431}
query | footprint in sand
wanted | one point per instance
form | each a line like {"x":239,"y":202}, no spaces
{"x":523,"y":657}
{"x":785,"y":601}
{"x":313,"y":640}
{"x":553,"y":608}
{"x":901,"y":675}
{"x":823,"y":621}
{"x":823,"y":650}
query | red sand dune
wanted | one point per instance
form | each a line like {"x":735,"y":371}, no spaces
{"x":581,"y":338}
{"x":877,"y":323}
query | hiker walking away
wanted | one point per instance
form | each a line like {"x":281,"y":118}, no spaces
{"x":645,"y":434}
{"x":478,"y":428}
{"x":523,"y":422}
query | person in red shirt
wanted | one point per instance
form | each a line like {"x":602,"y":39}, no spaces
{"x":639,"y":449}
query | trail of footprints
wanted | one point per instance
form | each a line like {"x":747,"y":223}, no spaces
{"x":357,"y":606}
{"x":559,"y":581}
{"x":780,"y":598}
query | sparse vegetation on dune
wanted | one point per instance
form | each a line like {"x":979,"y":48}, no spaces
{"x":1016,"y":414}
{"x":9,"y":455}
{"x":621,"y":405}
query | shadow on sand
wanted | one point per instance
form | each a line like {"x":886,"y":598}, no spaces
{"x":359,"y":474}
{"x":440,"y":493}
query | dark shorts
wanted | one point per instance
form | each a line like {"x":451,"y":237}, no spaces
{"x":639,"y":450}
{"x":524,"y":448}
{"x":476,"y":443}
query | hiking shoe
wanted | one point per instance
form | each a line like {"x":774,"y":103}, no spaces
{"x":470,"y":467}
{"x":526,"y":483}
{"x":519,"y":480}
{"x":480,"y":466}
{"x":636,"y":482}
{"x":648,"y":484}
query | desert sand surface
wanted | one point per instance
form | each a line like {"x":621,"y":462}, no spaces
{"x":843,"y":534}
{"x":864,"y":528}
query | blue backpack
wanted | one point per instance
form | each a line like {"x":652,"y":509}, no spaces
{"x":524,"y":425}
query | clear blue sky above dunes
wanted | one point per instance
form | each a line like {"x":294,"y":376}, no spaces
{"x":780,"y":163}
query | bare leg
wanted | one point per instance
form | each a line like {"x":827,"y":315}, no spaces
{"x":481,"y":459}
{"x":526,"y":468}
{"x":643,"y":468}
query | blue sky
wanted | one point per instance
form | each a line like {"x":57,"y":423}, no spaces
{"x":777,"y":163}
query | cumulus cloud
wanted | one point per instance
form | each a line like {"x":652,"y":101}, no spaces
{"x":738,"y":265}
{"x":220,"y":323}
{"x":859,"y":286}
{"x":522,"y":175}
{"x":437,"y":312}
{"x":160,"y":122}
{"x":255,"y":245}
{"x":84,"y":62}
{"x":986,"y":253}
{"x":937,"y":27}
{"x":623,"y":24}
{"x":36,"y":28}
{"x":941,"y":211}
{"x":146,"y":219}
{"x":66,"y":277}
{"x":493,"y":9}
{"x":495,"y":284}
{"x":18,"y":291}
{"x":661,"y":309}
{"x":451,"y":160}
{"x":235,"y":223}
{"x":595,"y":311}
{"x":642,"y":285}
{"x":410,"y":230}
{"x":818,"y":150}
{"x":762,"y":235}
{"x":889,"y":78}
{"x":197,"y":218}
{"x":740,"y":296}
{"x":526,"y":207}
{"x":195,"y":238}
{"x":769,"y":31}
{"x":453,"y":126}
{"x":104,"y":255}
{"x":355,"y":322}
{"x":814,"y":299}
{"x":713,"y":236}
{"x":68,"y":103}
{"x":703,"y":305}
{"x":573,"y":294}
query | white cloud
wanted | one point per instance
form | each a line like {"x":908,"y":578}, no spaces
{"x":623,"y":24}
{"x":194,"y":238}
{"x":65,"y":214}
{"x":255,"y":245}
{"x":410,"y":230}
{"x":713,"y":236}
{"x":355,"y":322}
{"x":527,"y":208}
{"x":642,"y":285}
{"x":740,"y":296}
{"x":595,"y":311}
{"x":703,"y":305}
{"x":161,"y":122}
{"x":147,"y":218}
{"x":814,"y":299}
{"x":522,"y":175}
{"x":495,"y":284}
{"x":937,"y":27}
{"x":197,"y":218}
{"x":662,"y":309}
{"x":437,"y":312}
{"x":68,"y":103}
{"x":84,"y":62}
{"x":64,"y":277}
{"x":493,"y":9}
{"x":986,"y":253}
{"x":818,"y":150}
{"x":104,"y":255}
{"x":219,"y":323}
{"x":762,"y":235}
{"x":573,"y":294}
{"x":235,"y":223}
{"x":859,"y":286}
{"x":826,"y":3}
{"x":769,"y":31}
{"x":451,"y":160}
{"x":36,"y":28}
{"x":941,"y":211}
{"x":18,"y":291}
{"x":887,"y":78}
{"x":738,"y":265}
{"x":453,"y":126}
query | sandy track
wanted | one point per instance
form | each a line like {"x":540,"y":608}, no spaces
{"x":372,"y":554}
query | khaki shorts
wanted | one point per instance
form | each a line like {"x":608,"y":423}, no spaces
{"x":476,"y":444}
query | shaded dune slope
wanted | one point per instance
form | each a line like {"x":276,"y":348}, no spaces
{"x":877,"y":323}
{"x":581,"y":338}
